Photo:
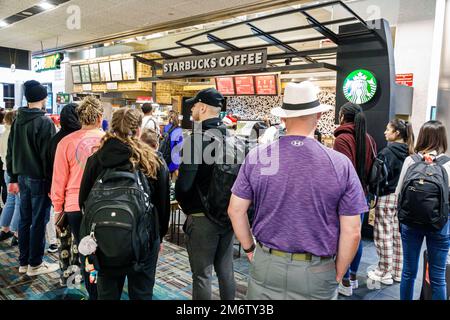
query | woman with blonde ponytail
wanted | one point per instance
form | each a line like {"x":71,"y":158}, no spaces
{"x":121,"y":148}
{"x":72,"y":152}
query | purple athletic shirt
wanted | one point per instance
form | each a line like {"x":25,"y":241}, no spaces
{"x":298,"y":199}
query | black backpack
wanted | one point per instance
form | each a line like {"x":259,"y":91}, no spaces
{"x":231,"y":153}
{"x":164,"y":146}
{"x":378,"y":176}
{"x":423,"y":201}
{"x":119,"y":214}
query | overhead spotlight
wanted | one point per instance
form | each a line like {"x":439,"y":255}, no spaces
{"x":27,"y":13}
{"x":3,"y":24}
{"x":288,"y":61}
{"x":46,"y":5}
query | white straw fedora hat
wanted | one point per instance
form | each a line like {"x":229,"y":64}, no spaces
{"x":300,"y":99}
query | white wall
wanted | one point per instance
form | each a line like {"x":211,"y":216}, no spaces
{"x":57,"y":78}
{"x":443,"y":104}
{"x":413,"y":45}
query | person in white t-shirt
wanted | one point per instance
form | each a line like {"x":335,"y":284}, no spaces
{"x":149,"y":121}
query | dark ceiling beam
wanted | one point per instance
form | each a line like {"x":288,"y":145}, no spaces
{"x":316,"y":25}
{"x":270,"y":39}
{"x":243,"y":48}
{"x":297,"y":67}
{"x":221,"y":43}
{"x":299,"y":28}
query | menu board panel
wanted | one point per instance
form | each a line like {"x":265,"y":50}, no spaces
{"x":245,"y":85}
{"x":85,"y":74}
{"x":116,"y":70}
{"x":225,"y":85}
{"x":128,"y":69}
{"x":266,"y":85}
{"x":105,"y":73}
{"x":76,"y":74}
{"x":95,"y":72}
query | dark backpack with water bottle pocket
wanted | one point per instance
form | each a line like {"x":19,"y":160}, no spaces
{"x":119,"y":214}
{"x":423,"y":201}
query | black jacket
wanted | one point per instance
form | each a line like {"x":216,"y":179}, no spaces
{"x":191,"y":174}
{"x":393,"y":155}
{"x":115,"y":154}
{"x":69,"y":124}
{"x":28,"y":145}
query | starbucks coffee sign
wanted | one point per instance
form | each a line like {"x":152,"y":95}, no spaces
{"x":216,"y":63}
{"x":360,"y":86}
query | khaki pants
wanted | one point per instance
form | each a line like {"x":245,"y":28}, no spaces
{"x":280,"y":278}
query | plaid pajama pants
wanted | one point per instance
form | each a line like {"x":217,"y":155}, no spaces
{"x":387,"y":237}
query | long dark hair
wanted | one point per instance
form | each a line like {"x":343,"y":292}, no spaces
{"x":405,"y":131}
{"x":173,"y":119}
{"x":353,"y":113}
{"x":432,"y":136}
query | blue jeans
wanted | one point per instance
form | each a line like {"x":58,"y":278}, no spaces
{"x":34,"y":213}
{"x":11,"y":212}
{"x":437,"y":247}
{"x":354,"y":266}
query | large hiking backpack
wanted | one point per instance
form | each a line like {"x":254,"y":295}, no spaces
{"x":164,"y":146}
{"x":423,"y":201}
{"x":119,"y":214}
{"x":228,"y":159}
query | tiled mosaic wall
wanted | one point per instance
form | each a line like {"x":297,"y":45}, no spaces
{"x":256,"y":108}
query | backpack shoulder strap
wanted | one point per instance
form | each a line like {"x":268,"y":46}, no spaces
{"x":442,"y":160}
{"x":416,"y":158}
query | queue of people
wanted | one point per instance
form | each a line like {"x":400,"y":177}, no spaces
{"x":110,"y":194}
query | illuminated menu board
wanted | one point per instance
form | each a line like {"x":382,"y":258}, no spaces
{"x":245,"y":85}
{"x":225,"y":85}
{"x":266,"y":85}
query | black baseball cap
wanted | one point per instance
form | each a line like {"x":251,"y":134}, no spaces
{"x":209,"y":96}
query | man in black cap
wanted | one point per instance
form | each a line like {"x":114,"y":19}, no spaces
{"x":208,"y":243}
{"x":28,"y":166}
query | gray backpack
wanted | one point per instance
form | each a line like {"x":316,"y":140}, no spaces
{"x":423,"y":201}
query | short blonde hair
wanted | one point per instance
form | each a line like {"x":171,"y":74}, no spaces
{"x":90,"y":110}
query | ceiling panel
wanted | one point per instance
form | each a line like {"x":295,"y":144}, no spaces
{"x":102,"y":18}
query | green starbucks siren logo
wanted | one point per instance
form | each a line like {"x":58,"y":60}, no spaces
{"x":360,"y":86}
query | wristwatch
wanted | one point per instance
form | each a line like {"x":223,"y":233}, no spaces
{"x":251,"y":249}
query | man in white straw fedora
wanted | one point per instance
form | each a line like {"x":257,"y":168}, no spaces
{"x":306,"y":227}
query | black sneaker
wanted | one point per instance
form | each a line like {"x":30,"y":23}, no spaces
{"x":5,"y":235}
{"x":14,"y":241}
{"x":52,"y":248}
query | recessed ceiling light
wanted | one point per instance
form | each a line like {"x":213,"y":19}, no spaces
{"x":3,"y":24}
{"x":27,"y":13}
{"x":46,"y":6}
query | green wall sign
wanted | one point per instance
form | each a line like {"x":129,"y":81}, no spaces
{"x":360,"y":86}
{"x":52,"y":62}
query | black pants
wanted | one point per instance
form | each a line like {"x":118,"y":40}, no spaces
{"x":140,"y":284}
{"x":74,"y":220}
{"x":210,"y":245}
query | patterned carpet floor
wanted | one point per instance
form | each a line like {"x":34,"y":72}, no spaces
{"x":173,"y":278}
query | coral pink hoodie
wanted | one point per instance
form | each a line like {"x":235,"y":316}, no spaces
{"x":70,"y":159}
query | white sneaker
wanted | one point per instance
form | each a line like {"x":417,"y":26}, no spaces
{"x":345,"y":291}
{"x":23,"y":269}
{"x":42,"y":269}
{"x":375,"y":276}
{"x":354,"y":284}
{"x":397,"y":279}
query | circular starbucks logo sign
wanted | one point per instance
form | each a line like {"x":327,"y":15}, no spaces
{"x":360,"y":86}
